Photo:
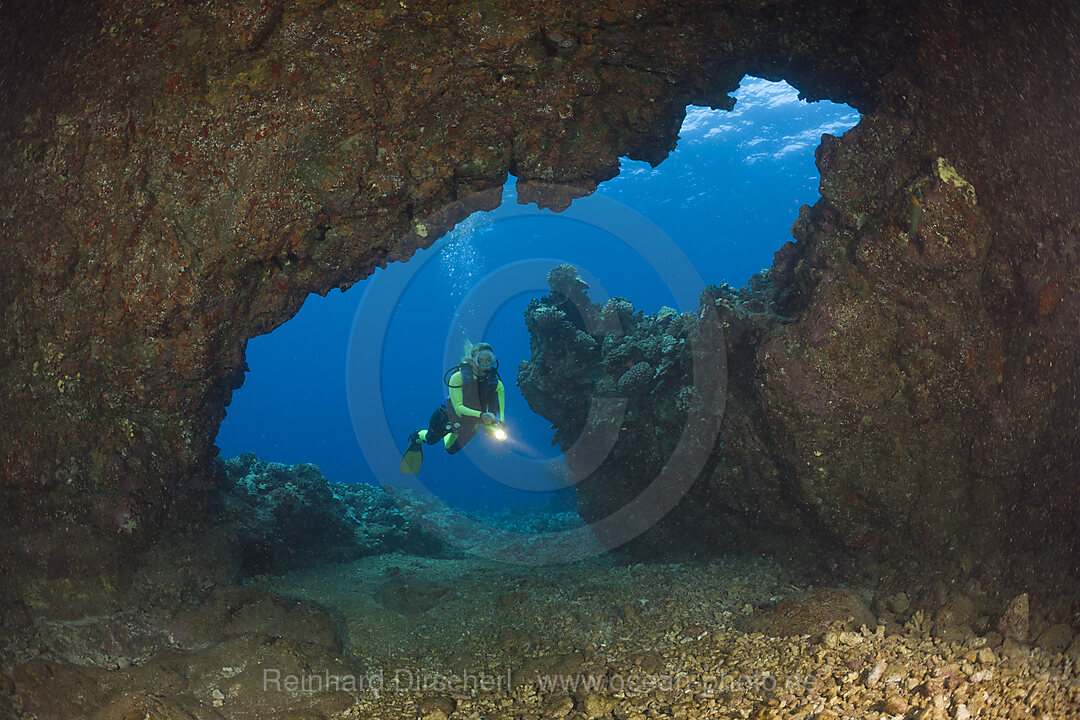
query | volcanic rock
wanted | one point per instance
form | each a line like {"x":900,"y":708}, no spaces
{"x":178,"y":177}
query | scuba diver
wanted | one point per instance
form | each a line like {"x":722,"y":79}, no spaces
{"x":476,"y":400}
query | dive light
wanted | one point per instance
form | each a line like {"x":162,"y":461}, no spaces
{"x":496,"y":429}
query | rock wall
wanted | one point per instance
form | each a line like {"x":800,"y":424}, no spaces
{"x":874,"y":400}
{"x":178,"y":177}
{"x":663,"y":405}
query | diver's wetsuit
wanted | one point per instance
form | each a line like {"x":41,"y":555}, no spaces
{"x":459,"y":415}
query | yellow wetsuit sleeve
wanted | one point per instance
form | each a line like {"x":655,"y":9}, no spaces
{"x":456,"y":398}
{"x":502,"y":402}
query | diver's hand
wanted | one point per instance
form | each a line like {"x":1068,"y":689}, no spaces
{"x":488,"y":418}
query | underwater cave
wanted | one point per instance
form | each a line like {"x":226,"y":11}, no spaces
{"x":721,"y":205}
{"x":881,"y":509}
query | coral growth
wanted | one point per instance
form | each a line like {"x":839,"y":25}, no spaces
{"x":624,"y":394}
{"x":279,"y":517}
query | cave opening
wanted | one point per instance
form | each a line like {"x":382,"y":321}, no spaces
{"x":724,"y":199}
{"x":181,"y":176}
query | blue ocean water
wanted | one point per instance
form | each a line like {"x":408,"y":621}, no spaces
{"x":343,"y":383}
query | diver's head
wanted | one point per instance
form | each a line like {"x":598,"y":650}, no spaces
{"x":482,"y":358}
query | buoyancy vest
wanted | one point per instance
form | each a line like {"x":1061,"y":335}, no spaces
{"x":478,"y":393}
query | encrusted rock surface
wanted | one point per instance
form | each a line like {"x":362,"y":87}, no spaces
{"x":893,"y":387}
{"x":813,"y":614}
{"x":186,"y":661}
{"x":623,"y":390}
{"x":266,"y":518}
{"x":179,"y":176}
{"x":280,"y":517}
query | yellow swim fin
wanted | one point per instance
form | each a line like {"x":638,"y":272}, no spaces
{"x":413,"y":458}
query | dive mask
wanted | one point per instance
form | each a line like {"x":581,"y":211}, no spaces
{"x":485,"y":360}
